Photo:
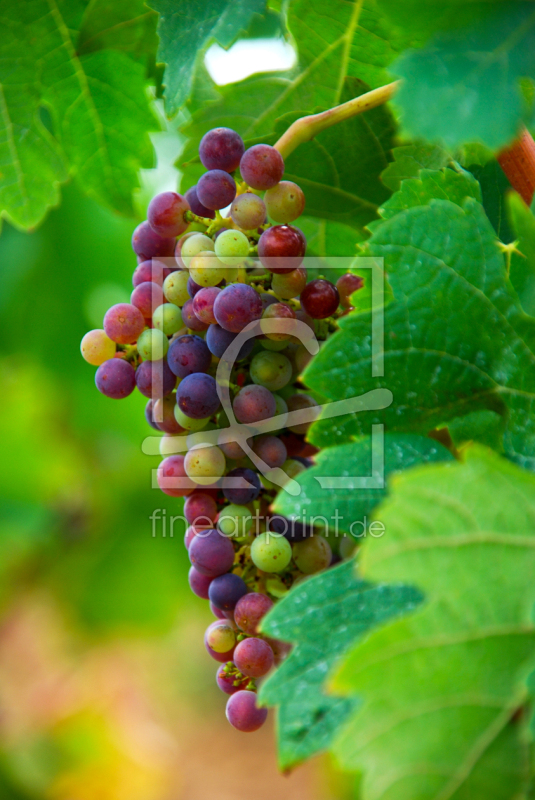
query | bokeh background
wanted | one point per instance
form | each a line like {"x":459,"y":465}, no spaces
{"x":106,"y":691}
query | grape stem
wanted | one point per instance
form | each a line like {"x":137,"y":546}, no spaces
{"x":306,"y":128}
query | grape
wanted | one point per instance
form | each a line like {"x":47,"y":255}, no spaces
{"x":232,"y":247}
{"x":211,"y":553}
{"x":218,"y":339}
{"x":188,"y":354}
{"x":271,"y":552}
{"x":271,"y":450}
{"x":312,"y":555}
{"x":97,"y":347}
{"x":236,"y":306}
{"x":152,"y":271}
{"x":198,"y":243}
{"x":254,"y":657}
{"x":152,"y":345}
{"x":188,"y":536}
{"x":164,"y":414}
{"x":193,"y":288}
{"x":155,"y":379}
{"x":229,"y":683}
{"x":199,"y":583}
{"x":250,"y":610}
{"x":297,"y":402}
{"x":148,"y":244}
{"x":175,"y":287}
{"x":241,"y":495}
{"x":243,"y":713}
{"x":272,"y":370}
{"x":115,"y":378}
{"x":172,"y":478}
{"x":149,"y":416}
{"x":217,"y":612}
{"x":253,"y":403}
{"x":285,"y":201}
{"x":281,"y":409}
{"x":291,"y":529}
{"x":282,"y":248}
{"x":203,"y":304}
{"x":188,"y":424}
{"x":235,"y":521}
{"x":206,"y":269}
{"x":197,"y":396}
{"x":267,"y":300}
{"x":196,"y":205}
{"x":320,"y":298}
{"x":248,"y":211}
{"x":275,"y":347}
{"x":205,"y":464}
{"x":170,"y":443}
{"x":147,"y":297}
{"x":289,"y":284}
{"x":221,"y":657}
{"x":200,"y":507}
{"x":191,"y":321}
{"x":216,"y":189}
{"x":221,"y":148}
{"x":346,"y":285}
{"x":168,"y":319}
{"x":261,"y":166}
{"x":301,"y":358}
{"x":123,"y":323}
{"x":220,"y":635}
{"x":232,"y":450}
{"x":165,"y":214}
{"x":285,"y":317}
{"x":226,"y":590}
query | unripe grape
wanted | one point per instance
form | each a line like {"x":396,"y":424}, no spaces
{"x":193,"y":245}
{"x":232,"y":247}
{"x":190,"y":425}
{"x":248,"y":211}
{"x":271,"y":553}
{"x":285,"y":201}
{"x":285,"y":317}
{"x":235,"y":521}
{"x":289,"y":284}
{"x":175,"y":287}
{"x":97,"y":347}
{"x":220,"y":635}
{"x":206,"y":269}
{"x":205,"y":464}
{"x":312,"y":555}
{"x":272,"y":370}
{"x":152,"y":345}
{"x":167,"y":318}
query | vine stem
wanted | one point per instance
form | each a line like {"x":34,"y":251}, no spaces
{"x":518,"y":163}
{"x":306,"y":128}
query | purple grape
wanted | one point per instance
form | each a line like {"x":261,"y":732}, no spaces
{"x":226,"y":682}
{"x":261,"y":166}
{"x":148,"y":244}
{"x":165,"y":214}
{"x":193,"y":288}
{"x":190,"y":319}
{"x":191,"y":532}
{"x":243,"y":712}
{"x":250,"y":610}
{"x":236,"y":306}
{"x":248,"y":211}
{"x":149,"y":416}
{"x":254,"y":657}
{"x":217,"y":612}
{"x":221,"y":149}
{"x":115,"y":378}
{"x":199,"y":583}
{"x":291,"y":529}
{"x":153,"y":271}
{"x":226,"y":590}
{"x":271,"y":450}
{"x":211,"y":553}
{"x":267,"y":300}
{"x":254,"y":403}
{"x":123,"y":323}
{"x":197,"y":396}
{"x":147,"y":297}
{"x":320,"y":298}
{"x":196,"y":205}
{"x":242,"y":495}
{"x":216,"y":189}
{"x":200,"y":507}
{"x":203,"y":304}
{"x":188,"y":354}
{"x":155,"y":379}
{"x":218,"y":339}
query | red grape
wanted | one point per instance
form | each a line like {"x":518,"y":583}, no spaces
{"x":249,"y":491}
{"x":166,"y":212}
{"x":151,"y":270}
{"x":197,"y":396}
{"x":282,"y":248}
{"x":123,"y":323}
{"x":147,"y":297}
{"x":211,"y":553}
{"x":203,"y":304}
{"x":271,"y":450}
{"x":148,"y":244}
{"x":200,"y":507}
{"x":218,"y":340}
{"x":164,"y":414}
{"x":261,"y":166}
{"x":222,"y":149}
{"x":250,"y":610}
{"x":226,"y":682}
{"x":243,"y":712}
{"x":254,"y":403}
{"x":320,"y":298}
{"x":346,"y":285}
{"x":189,"y":317}
{"x":199,"y":583}
{"x":172,"y":478}
{"x":254,"y":657}
{"x":226,"y":590}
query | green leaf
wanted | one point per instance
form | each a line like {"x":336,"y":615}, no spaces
{"x":186,"y":27}
{"x":456,"y":339}
{"x":522,"y":271}
{"x":126,"y":25}
{"x":494,"y":188}
{"x":465,"y":87}
{"x":96,"y":112}
{"x":320,"y":497}
{"x":410,"y":159}
{"x":485,"y":427}
{"x":445,"y":184}
{"x":440,"y":687}
{"x":323,"y":616}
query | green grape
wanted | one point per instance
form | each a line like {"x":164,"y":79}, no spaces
{"x":271,"y":552}
{"x":175,"y":287}
{"x":205,"y":464}
{"x":221,"y":637}
{"x":270,"y":344}
{"x":232,"y":275}
{"x":152,"y":345}
{"x":289,"y":284}
{"x":171,"y":444}
{"x":301,"y":358}
{"x":168,"y":318}
{"x":189,"y":424}
{"x":292,"y":468}
{"x":206,"y":269}
{"x":97,"y":347}
{"x":312,"y":554}
{"x":194,"y":245}
{"x":272,"y":370}
{"x":235,"y":521}
{"x":285,"y":201}
{"x":281,"y":409}
{"x":232,"y":247}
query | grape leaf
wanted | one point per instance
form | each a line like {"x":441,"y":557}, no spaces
{"x":494,"y":188}
{"x":441,"y":688}
{"x":410,"y":159}
{"x":456,"y":339}
{"x":351,"y":503}
{"x":463,"y":88}
{"x":126,"y":25}
{"x":522,"y":271}
{"x":186,"y":27}
{"x":95,"y":107}
{"x":323,"y":616}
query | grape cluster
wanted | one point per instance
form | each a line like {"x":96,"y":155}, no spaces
{"x":202,"y":277}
